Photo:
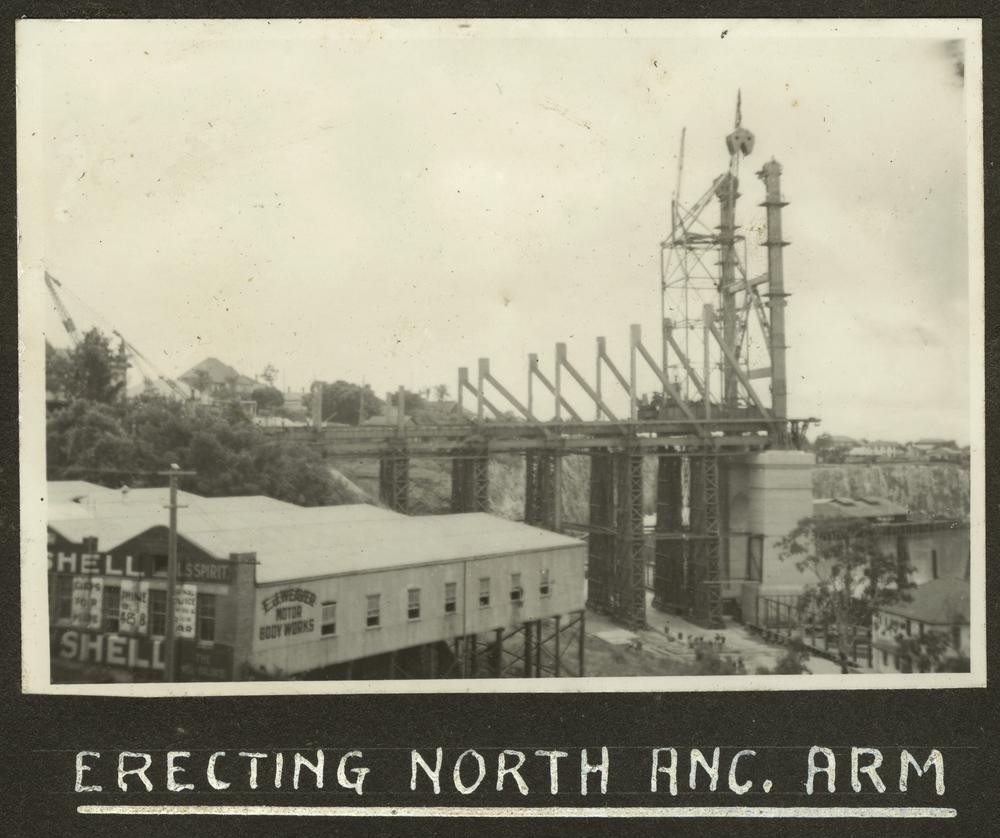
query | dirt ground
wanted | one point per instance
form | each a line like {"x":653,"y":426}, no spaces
{"x":669,"y":647}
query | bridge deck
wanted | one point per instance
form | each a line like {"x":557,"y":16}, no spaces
{"x":733,"y":435}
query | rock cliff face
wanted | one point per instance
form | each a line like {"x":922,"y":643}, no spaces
{"x":940,"y":489}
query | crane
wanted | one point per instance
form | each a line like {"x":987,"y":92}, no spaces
{"x":143,"y":363}
{"x":52,"y":283}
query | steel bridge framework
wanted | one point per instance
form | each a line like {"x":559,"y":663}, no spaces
{"x":708,"y":411}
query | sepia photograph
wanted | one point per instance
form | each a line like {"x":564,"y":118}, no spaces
{"x":499,"y":356}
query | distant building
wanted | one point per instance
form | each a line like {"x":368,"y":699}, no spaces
{"x":940,"y":606}
{"x":945,"y":454}
{"x":860,"y":454}
{"x":886,"y":449}
{"x":388,"y":416}
{"x":933,"y":549}
{"x":213,"y":378}
{"x":295,"y":401}
{"x":872,"y":509}
{"x":444,"y":412}
{"x":929,"y":444}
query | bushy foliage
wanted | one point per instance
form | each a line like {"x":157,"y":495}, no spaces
{"x":344,"y":402}
{"x":130,"y":441}
{"x":929,"y":653}
{"x":267,"y":398}
{"x":853,"y":575}
{"x":793,"y":662}
{"x":87,"y":371}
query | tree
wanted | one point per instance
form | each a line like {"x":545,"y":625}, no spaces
{"x":793,"y":662}
{"x":129,"y":442}
{"x":925,"y":653}
{"x":58,"y":371}
{"x":90,"y":370}
{"x":853,"y":575}
{"x":441,"y":392}
{"x":269,"y":375}
{"x":412,"y":402}
{"x":931,"y":651}
{"x":343,"y":402}
{"x":267,"y":398}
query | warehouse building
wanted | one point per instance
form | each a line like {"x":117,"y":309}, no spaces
{"x":267,"y":589}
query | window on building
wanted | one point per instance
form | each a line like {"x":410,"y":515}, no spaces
{"x":206,"y":617}
{"x":516,"y":591}
{"x":956,"y":637}
{"x":885,"y":658}
{"x":934,"y":565}
{"x":413,"y":604}
{"x":374,"y":610}
{"x":159,"y":565}
{"x":908,"y":628}
{"x":450,"y":597}
{"x":545,"y":586}
{"x":484,"y":592}
{"x":64,"y":597}
{"x":112,"y":605}
{"x":158,"y":613}
{"x":328,"y":619}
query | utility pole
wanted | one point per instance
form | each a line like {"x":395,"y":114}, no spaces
{"x":170,"y":657}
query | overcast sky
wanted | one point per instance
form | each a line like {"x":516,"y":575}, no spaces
{"x":388,"y":202}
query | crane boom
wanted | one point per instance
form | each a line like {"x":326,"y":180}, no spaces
{"x":54,"y":284}
{"x":51,"y":283}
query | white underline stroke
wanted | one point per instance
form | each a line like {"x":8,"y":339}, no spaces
{"x":534,"y":811}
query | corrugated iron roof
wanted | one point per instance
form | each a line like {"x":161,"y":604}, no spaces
{"x":66,"y":490}
{"x":294,"y":542}
{"x":857,"y":507}
{"x":939,"y":602}
{"x":367,"y":545}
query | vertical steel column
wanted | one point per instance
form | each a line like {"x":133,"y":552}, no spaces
{"x":480,"y":490}
{"x":532,"y":489}
{"x":668,"y":570}
{"x":727,"y":193}
{"x":771,"y":175}
{"x":459,"y":480}
{"x":705,"y":576}
{"x":394,"y":480}
{"x":601,"y":539}
{"x":629,"y":596}
{"x":541,"y":489}
{"x":470,"y":486}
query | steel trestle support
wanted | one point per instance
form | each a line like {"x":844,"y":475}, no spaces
{"x":394,"y":480}
{"x":470,"y":483}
